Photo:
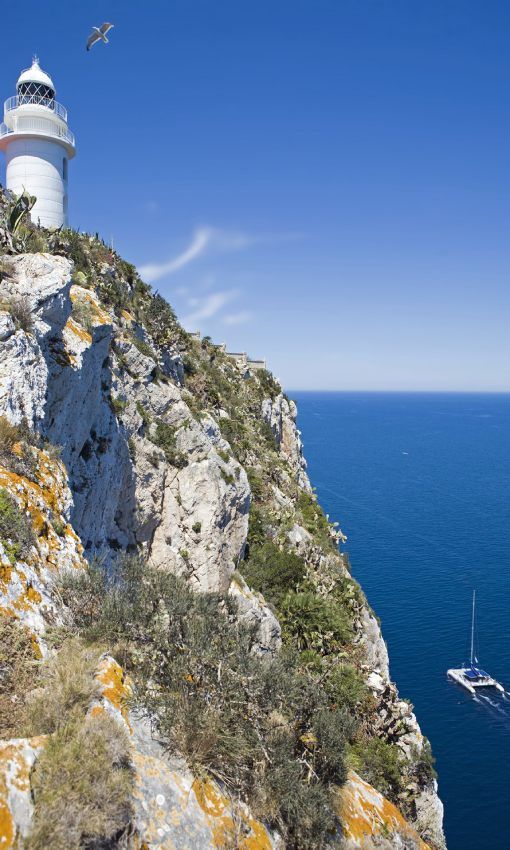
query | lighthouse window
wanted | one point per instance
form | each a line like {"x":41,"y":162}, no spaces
{"x":64,"y":168}
{"x":36,"y":93}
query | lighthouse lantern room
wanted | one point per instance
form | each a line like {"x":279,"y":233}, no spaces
{"x":38,"y":146}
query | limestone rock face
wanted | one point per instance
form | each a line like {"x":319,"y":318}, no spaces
{"x":374,"y":645}
{"x":370,"y":821}
{"x":66,"y":380}
{"x":204,"y":509}
{"x":141,"y":468}
{"x":17,"y":757}
{"x":26,"y":586}
{"x":280,"y":414}
{"x":258,"y":616}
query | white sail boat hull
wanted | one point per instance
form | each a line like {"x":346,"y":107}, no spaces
{"x":461,"y":677}
{"x":473,"y":677}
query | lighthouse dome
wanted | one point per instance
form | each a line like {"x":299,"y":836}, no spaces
{"x":35,"y":87}
{"x":35,"y":74}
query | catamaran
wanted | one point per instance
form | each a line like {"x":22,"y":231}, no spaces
{"x":473,"y":677}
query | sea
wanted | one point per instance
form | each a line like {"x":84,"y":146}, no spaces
{"x":420,"y":484}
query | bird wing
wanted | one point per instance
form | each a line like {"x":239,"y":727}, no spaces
{"x":92,"y":39}
{"x":106,"y":27}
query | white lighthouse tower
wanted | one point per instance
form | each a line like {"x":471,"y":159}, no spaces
{"x":38,"y":146}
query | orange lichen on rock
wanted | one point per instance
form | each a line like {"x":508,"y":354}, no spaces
{"x":98,"y":315}
{"x":248,"y":833}
{"x":365,"y":813}
{"x":76,"y":329}
{"x":16,"y":760}
{"x":26,"y":586}
{"x":116,"y":686}
{"x":42,"y":500}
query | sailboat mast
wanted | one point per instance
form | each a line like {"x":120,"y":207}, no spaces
{"x":473,"y":628}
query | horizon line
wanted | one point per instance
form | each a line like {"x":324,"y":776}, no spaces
{"x":400,"y":392}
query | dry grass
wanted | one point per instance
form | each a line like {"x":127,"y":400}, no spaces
{"x":20,"y":310}
{"x":68,"y":687}
{"x":82,"y":785}
{"x":82,"y":782}
{"x":9,"y":435}
{"x":21,"y":460}
{"x":18,"y":674}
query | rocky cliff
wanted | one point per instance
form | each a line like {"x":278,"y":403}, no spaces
{"x":172,"y":599}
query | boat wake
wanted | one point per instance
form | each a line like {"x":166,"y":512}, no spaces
{"x":497,"y":706}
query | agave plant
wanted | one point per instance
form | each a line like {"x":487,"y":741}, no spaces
{"x":19,"y":210}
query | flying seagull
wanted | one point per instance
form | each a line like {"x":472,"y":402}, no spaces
{"x":98,"y":34}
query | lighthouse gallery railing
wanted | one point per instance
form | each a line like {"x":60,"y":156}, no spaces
{"x":36,"y":100}
{"x":38,"y":127}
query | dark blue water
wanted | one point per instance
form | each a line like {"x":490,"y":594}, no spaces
{"x":421,"y":486}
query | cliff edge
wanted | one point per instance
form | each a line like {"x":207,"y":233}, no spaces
{"x":185,"y":658}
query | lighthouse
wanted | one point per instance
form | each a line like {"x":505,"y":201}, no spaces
{"x":38,"y":145}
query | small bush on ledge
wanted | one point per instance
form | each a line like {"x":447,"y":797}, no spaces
{"x":20,"y":311}
{"x":16,"y":533}
{"x":164,"y":437}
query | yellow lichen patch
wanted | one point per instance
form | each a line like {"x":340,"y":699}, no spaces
{"x":25,"y":586}
{"x":99,"y":316}
{"x":6,"y":820}
{"x":78,"y":331}
{"x":116,"y":687}
{"x":248,"y":833}
{"x":365,"y":813}
{"x":5,"y":576}
{"x":41,"y":498}
{"x":16,"y":760}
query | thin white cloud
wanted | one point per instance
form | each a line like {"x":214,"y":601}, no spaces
{"x":155,"y":271}
{"x":208,"y":239}
{"x":206,"y":308}
{"x":239,"y":318}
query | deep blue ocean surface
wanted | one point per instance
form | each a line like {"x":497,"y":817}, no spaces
{"x":421,"y":485}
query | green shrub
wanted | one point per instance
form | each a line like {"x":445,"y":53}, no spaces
{"x":83,"y":315}
{"x":380,"y":764}
{"x":59,"y":526}
{"x":315,"y":521}
{"x":425,"y":770}
{"x":16,"y":532}
{"x":161,"y":321}
{"x":196,"y":527}
{"x":82,"y":782}
{"x":164,"y":437}
{"x":265,"y":728}
{"x":272,"y":571}
{"x":227,"y":477}
{"x":143,"y":413}
{"x":311,"y":621}
{"x":142,"y":346}
{"x":118,"y":405}
{"x":268,"y":383}
{"x":345,"y":686}
{"x":236,"y":433}
{"x":72,"y":245}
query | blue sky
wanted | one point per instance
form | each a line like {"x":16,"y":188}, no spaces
{"x":324,"y":183}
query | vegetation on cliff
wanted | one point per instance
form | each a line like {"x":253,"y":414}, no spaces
{"x":278,"y":732}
